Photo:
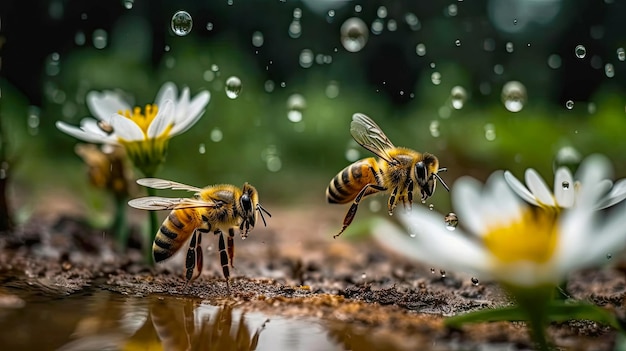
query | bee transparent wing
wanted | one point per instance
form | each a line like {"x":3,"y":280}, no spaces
{"x":157,"y":183}
{"x":369,"y":135}
{"x":156,"y":203}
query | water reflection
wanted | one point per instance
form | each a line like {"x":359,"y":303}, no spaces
{"x":109,"y":321}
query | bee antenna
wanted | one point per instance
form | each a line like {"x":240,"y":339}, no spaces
{"x":261,"y":210}
{"x":441,"y":180}
{"x":442,"y":169}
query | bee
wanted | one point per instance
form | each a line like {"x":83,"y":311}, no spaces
{"x":220,"y":209}
{"x":399,"y":171}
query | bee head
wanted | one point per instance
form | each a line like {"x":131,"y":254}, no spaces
{"x":426,"y":175}
{"x":249,"y":208}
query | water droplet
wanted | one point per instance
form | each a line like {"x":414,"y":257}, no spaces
{"x":509,"y":47}
{"x":435,"y":77}
{"x":295,"y":29}
{"x":99,"y":38}
{"x":128,"y":4}
{"x":621,"y":54}
{"x":296,"y":104}
{"x":377,"y":26}
{"x":565,"y":185}
{"x":580,"y":51}
{"x":432,"y":270}
{"x":451,"y":220}
{"x":257,"y":39}
{"x":513,"y":96}
{"x":181,"y":23}
{"x":591,"y":108}
{"x":306,"y":58}
{"x":216,"y":135}
{"x":474,"y":281}
{"x":297,"y":13}
{"x":514,"y":22}
{"x":443,"y":273}
{"x":489,"y":44}
{"x":79,"y":38}
{"x":458,"y":95}
{"x":33,"y":120}
{"x":363,"y":276}
{"x":332,"y":89}
{"x":269,"y":86}
{"x":354,"y":34}
{"x":392,"y":25}
{"x":457,"y":42}
{"x":452,"y":10}
{"x":498,"y":69}
{"x":431,"y":207}
{"x":609,"y":70}
{"x":330,"y":16}
{"x":609,"y":256}
{"x":358,"y":8}
{"x":375,"y":205}
{"x":420,"y":49}
{"x":554,"y":61}
{"x":490,"y":132}
{"x":105,"y":127}
{"x":209,"y":26}
{"x":273,"y":163}
{"x":413,"y":22}
{"x":434,"y":128}
{"x":381,"y":12}
{"x":52,"y":64}
{"x":233,"y":87}
{"x":202,"y":149}
{"x":569,"y":104}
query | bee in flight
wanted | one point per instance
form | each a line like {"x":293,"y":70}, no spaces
{"x":220,"y":209}
{"x":398,"y":171}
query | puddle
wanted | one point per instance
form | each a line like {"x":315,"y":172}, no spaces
{"x":103,"y":320}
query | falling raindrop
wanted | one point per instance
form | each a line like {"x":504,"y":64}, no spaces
{"x":420,"y":49}
{"x":181,"y":23}
{"x":269,"y":85}
{"x":443,"y":273}
{"x":295,"y":29}
{"x":580,"y":51}
{"x":457,"y":42}
{"x":202,"y":149}
{"x":332,"y":89}
{"x":513,"y":96}
{"x":609,"y":256}
{"x":474,"y":281}
{"x":435,"y":77}
{"x":609,"y":70}
{"x":498,"y":69}
{"x":591,"y":108}
{"x":392,"y":25}
{"x":490,"y":132}
{"x":216,"y":135}
{"x":413,"y":22}
{"x":452,"y":10}
{"x":434,"y":128}
{"x":432,"y":270}
{"x":209,"y":26}
{"x":621,"y":54}
{"x":509,"y":47}
{"x":354,"y":34}
{"x":297,"y":13}
{"x":363,"y":276}
{"x":257,"y":39}
{"x":569,"y":104}
{"x":99,"y":38}
{"x":295,"y":105}
{"x":352,"y":154}
{"x":554,"y":61}
{"x":233,"y":87}
{"x":128,"y":4}
{"x":451,"y":220}
{"x":33,"y":120}
{"x":489,"y":44}
{"x":79,"y":38}
{"x":431,"y":207}
{"x":381,"y":12}
{"x":458,"y":95}
{"x":375,"y":206}
{"x":306,"y":58}
{"x":377,"y":26}
{"x":52,"y":64}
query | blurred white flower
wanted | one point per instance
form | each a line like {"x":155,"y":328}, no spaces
{"x":143,"y":133}
{"x":566,"y":189}
{"x":507,"y":240}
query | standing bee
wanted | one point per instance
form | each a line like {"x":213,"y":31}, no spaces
{"x":218,"y":208}
{"x":399,"y":171}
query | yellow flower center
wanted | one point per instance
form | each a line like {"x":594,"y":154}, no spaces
{"x":531,"y":237}
{"x":142,"y":120}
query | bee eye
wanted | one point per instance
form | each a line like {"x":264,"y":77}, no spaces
{"x":420,"y":172}
{"x":246,"y":203}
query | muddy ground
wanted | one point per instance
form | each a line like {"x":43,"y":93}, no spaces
{"x":294,"y":268}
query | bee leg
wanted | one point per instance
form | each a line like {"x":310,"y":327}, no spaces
{"x":231,"y":246}
{"x":355,"y":205}
{"x":392,"y":201}
{"x":190,"y":262}
{"x":409,"y":193}
{"x":223,"y":258}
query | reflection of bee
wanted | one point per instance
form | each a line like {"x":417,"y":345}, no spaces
{"x":398,"y":171}
{"x":219,"y":208}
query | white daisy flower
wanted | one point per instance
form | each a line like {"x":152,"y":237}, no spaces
{"x":507,"y":240}
{"x":144,"y":133}
{"x":566,"y":189}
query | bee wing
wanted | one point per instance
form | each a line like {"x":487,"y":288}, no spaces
{"x":157,"y":183}
{"x":369,"y":135}
{"x":156,"y":203}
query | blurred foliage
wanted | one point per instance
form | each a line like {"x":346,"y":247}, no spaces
{"x":386,"y":80}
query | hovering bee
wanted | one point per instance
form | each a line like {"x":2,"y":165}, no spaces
{"x":218,"y":208}
{"x":398,"y":171}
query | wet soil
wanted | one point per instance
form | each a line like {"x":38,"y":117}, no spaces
{"x":295,"y":268}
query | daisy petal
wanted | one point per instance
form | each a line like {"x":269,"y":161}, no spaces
{"x":182,"y":106}
{"x":126,"y":129}
{"x":616,"y":195}
{"x":90,"y":125}
{"x":162,"y":120}
{"x":168,"y":91}
{"x":538,"y":187}
{"x":519,"y":188}
{"x":84,"y":135}
{"x":468,"y":204}
{"x":198,"y":102}
{"x":563,"y":187}
{"x":104,"y":104}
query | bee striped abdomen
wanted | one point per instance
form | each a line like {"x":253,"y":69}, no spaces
{"x":345,"y":186}
{"x":172,"y":234}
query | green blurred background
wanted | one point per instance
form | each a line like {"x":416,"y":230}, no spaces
{"x":416,"y":53}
